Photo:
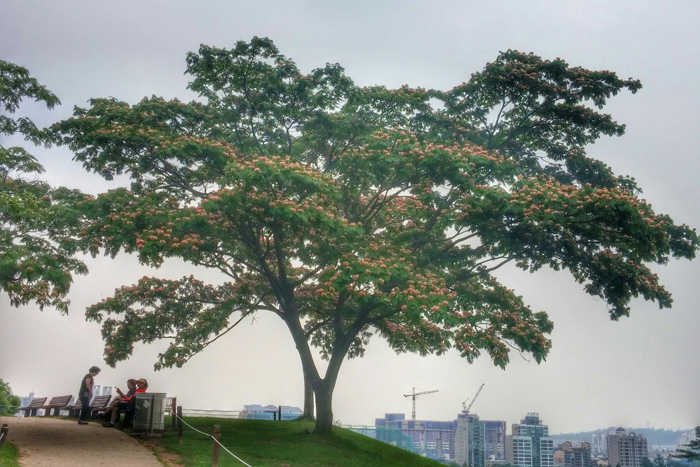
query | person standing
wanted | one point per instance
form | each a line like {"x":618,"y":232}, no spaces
{"x":85,"y":394}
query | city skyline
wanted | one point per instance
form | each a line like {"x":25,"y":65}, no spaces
{"x":81,"y":50}
{"x":474,"y":442}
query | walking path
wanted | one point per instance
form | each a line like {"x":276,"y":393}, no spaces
{"x":52,"y":442}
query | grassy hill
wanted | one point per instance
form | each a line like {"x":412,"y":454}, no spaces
{"x":264,"y":443}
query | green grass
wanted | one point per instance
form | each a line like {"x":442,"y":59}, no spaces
{"x":8,"y":455}
{"x":264,"y":443}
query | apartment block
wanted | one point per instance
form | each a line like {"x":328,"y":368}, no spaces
{"x":469,"y":441}
{"x":626,"y":450}
{"x":531,"y":444}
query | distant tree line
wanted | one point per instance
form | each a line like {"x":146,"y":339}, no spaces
{"x":8,"y":402}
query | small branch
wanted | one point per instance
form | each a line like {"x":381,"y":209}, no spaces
{"x":309,"y":274}
{"x":517,"y":350}
{"x":316,"y":327}
{"x":219,"y":336}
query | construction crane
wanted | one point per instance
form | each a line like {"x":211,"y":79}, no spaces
{"x":413,"y":395}
{"x":466,"y":408}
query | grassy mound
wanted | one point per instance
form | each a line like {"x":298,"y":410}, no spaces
{"x":8,"y":455}
{"x":264,"y":443}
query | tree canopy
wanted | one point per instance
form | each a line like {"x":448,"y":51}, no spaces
{"x":33,"y":215}
{"x":354,"y":211}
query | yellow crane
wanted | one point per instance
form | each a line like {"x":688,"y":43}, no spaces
{"x":413,"y":395}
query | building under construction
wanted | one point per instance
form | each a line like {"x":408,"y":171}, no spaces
{"x":430,"y":438}
{"x":461,"y":441}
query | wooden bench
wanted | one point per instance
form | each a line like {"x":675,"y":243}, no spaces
{"x":56,"y":403}
{"x":74,"y":410}
{"x":97,"y":404}
{"x":35,"y":405}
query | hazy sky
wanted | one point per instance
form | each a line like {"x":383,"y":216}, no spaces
{"x":638,"y":371}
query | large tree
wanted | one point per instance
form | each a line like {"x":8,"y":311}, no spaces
{"x":350,"y":212}
{"x":33,"y":215}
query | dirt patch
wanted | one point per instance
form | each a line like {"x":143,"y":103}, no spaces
{"x":53,"y":442}
{"x":168,"y":459}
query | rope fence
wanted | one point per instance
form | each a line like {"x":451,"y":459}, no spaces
{"x":215,"y":436}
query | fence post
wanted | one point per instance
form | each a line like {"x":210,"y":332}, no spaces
{"x":3,"y":433}
{"x":179,"y":424}
{"x":279,"y":417}
{"x":173,"y":411}
{"x":215,"y":456}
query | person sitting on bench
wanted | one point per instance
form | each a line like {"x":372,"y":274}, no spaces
{"x":127,"y":406}
{"x":131,"y":385}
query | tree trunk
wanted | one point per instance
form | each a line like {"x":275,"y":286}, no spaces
{"x":311,"y":376}
{"x":322,"y":387}
{"x":324,"y":409}
{"x":308,"y":398}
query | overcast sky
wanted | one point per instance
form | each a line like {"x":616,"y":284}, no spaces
{"x":636,"y":372}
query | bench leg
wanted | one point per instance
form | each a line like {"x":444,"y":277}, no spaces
{"x":128,"y":419}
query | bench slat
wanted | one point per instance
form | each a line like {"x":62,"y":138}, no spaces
{"x":56,"y":403}
{"x":100,"y":401}
{"x":35,"y":403}
{"x":60,"y":401}
{"x":33,"y":406}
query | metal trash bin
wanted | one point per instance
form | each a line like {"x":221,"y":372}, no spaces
{"x":149,"y":411}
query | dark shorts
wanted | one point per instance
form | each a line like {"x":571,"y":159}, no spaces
{"x":121,"y":405}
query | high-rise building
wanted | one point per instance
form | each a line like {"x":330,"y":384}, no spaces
{"x":432,"y":439}
{"x":98,"y":390}
{"x":686,"y":438}
{"x":531,"y":444}
{"x":521,"y":452}
{"x":626,"y":450}
{"x":559,"y":458}
{"x":469,"y":441}
{"x":599,"y":444}
{"x":577,"y":456}
{"x":494,"y":440}
{"x":24,"y":402}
